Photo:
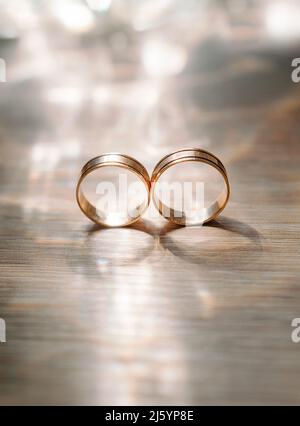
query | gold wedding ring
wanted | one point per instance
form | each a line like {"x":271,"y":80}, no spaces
{"x":198,"y":215}
{"x":102,"y":217}
{"x":204,"y":214}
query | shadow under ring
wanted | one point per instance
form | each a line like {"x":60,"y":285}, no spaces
{"x":203,"y":215}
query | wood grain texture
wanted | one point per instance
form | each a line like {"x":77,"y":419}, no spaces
{"x":150,"y":314}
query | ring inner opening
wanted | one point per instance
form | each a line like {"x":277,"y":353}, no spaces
{"x":113,"y":195}
{"x":190,"y":192}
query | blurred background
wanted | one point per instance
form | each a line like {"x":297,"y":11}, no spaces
{"x":149,"y":314}
{"x":91,"y":71}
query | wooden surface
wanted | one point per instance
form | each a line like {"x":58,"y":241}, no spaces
{"x":150,"y":314}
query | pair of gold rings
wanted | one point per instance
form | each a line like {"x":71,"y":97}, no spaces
{"x":203,"y":215}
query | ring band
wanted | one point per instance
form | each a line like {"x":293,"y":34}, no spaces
{"x":205,"y":214}
{"x":113,"y":160}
